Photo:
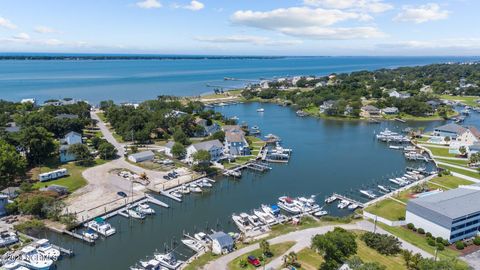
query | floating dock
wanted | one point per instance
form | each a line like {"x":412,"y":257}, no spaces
{"x":345,"y":198}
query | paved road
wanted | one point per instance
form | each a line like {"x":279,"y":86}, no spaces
{"x":303,"y":239}
{"x":456,"y":166}
{"x":107,"y":134}
{"x":466,"y":177}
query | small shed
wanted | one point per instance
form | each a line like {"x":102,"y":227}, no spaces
{"x":11,"y":192}
{"x":222,"y":243}
{"x":142,"y":156}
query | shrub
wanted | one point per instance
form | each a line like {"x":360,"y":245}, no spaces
{"x":383,"y":243}
{"x":445,"y":242}
{"x":440,"y":247}
{"x":421,"y":231}
{"x":243,"y":263}
{"x":30,"y":227}
{"x":428,"y":234}
{"x":476,"y":241}
{"x":459,"y":245}
{"x":439,"y":240}
{"x":431,"y":242}
{"x":410,"y":226}
{"x":401,"y":218}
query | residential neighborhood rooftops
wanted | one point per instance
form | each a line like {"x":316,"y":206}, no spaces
{"x":207,"y":145}
{"x":370,"y":108}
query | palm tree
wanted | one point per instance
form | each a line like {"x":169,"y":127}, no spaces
{"x":265,"y":247}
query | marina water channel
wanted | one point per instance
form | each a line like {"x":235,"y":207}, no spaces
{"x":328,"y":156}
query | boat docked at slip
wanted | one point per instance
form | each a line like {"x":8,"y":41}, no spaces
{"x":255,"y":220}
{"x":307,"y":205}
{"x":320,"y":213}
{"x":201,"y":236}
{"x":90,"y":234}
{"x":342,"y":204}
{"x":46,"y":249}
{"x":288,"y":205}
{"x":184,"y":189}
{"x":353,"y":206}
{"x":8,"y":238}
{"x":150,"y":264}
{"x":242,"y":222}
{"x":168,"y":260}
{"x":265,"y":217}
{"x":195,"y":189}
{"x":135,"y":214}
{"x":331,"y":199}
{"x":368,"y":193}
{"x":145,"y":209}
{"x":395,"y":181}
{"x":13,"y":265}
{"x":383,"y":188}
{"x":100,"y":226}
{"x":195,"y":245}
{"x":32,"y":259}
{"x":177,"y":194}
{"x":205,"y":183}
{"x":272,"y":209}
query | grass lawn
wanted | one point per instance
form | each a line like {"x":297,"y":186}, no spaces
{"x":409,"y":117}
{"x":277,"y":250}
{"x":73,"y":181}
{"x":469,"y":100}
{"x":440,"y":152}
{"x":309,"y":259}
{"x":201,"y":261}
{"x":102,"y":117}
{"x":450,"y":181}
{"x":460,"y":171}
{"x":463,"y":163}
{"x":388,"y":208}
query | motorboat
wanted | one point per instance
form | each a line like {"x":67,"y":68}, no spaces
{"x":150,"y":264}
{"x":343,"y":204}
{"x":168,"y":260}
{"x":192,"y":244}
{"x":177,"y":194}
{"x":135,"y":214}
{"x":32,"y":259}
{"x":307,"y":205}
{"x":396,"y":147}
{"x":242,"y":222}
{"x":368,"y":193}
{"x":201,"y":236}
{"x":145,"y":209}
{"x":13,"y":265}
{"x":353,"y":206}
{"x":90,"y":234}
{"x":331,"y":199}
{"x":184,"y":189}
{"x":46,"y":249}
{"x":255,"y":220}
{"x":206,"y":183}
{"x":261,"y":110}
{"x":265,"y":217}
{"x":195,"y":188}
{"x":8,"y":238}
{"x":288,"y":204}
{"x":272,"y":209}
{"x":395,"y":181}
{"x":320,"y":213}
{"x":100,"y":226}
{"x":383,"y":188}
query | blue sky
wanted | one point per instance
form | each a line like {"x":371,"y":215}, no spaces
{"x":246,"y":27}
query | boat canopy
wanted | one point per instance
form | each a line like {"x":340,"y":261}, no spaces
{"x":99,"y":220}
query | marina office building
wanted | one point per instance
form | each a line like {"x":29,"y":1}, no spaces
{"x":453,"y":215}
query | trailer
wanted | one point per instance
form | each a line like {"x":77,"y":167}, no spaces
{"x":43,"y":177}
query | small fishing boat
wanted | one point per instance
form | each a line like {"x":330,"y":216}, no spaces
{"x":46,"y":249}
{"x":265,"y":217}
{"x":201,"y":236}
{"x":273,"y":209}
{"x":396,"y":147}
{"x":330,"y":199}
{"x":353,"y":206}
{"x":368,"y":193}
{"x":261,"y":110}
{"x":168,"y":260}
{"x":177,"y":194}
{"x":242,"y":222}
{"x":343,"y":204}
{"x":135,"y":214}
{"x":150,"y":264}
{"x":206,"y":183}
{"x":90,"y":234}
{"x":395,"y":181}
{"x":383,"y":188}
{"x":145,"y":209}
{"x":194,"y":188}
{"x":184,"y":189}
{"x":255,"y":220}
{"x":320,"y":213}
{"x":192,"y":244}
{"x":100,"y":226}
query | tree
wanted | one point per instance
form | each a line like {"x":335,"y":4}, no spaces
{"x":265,"y":247}
{"x":290,"y":259}
{"x":336,"y":246}
{"x":219,"y":135}
{"x":180,"y":137}
{"x":178,"y":150}
{"x":463,"y":150}
{"x":37,"y":143}
{"x":81,"y":153}
{"x":107,"y":150}
{"x":12,"y":164}
{"x":411,"y":260}
{"x":383,"y":243}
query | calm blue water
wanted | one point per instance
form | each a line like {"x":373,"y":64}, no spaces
{"x":136,"y":80}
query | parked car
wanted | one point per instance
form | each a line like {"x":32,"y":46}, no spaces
{"x":253,"y":261}
{"x":122,"y":194}
{"x":166,"y":177}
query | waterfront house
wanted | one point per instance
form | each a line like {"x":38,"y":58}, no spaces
{"x":390,"y":110}
{"x":394,"y":93}
{"x":453,"y":215}
{"x":168,"y":148}
{"x":141,"y":156}
{"x":213,"y":147}
{"x":29,"y":101}
{"x":207,"y":129}
{"x":222,"y":243}
{"x":449,"y":130}
{"x":327,"y":105}
{"x":235,"y":142}
{"x":69,"y":139}
{"x":433,"y":103}
{"x":370,"y":111}
{"x":468,"y":137}
{"x":264,"y":84}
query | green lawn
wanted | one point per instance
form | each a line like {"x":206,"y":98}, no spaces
{"x":464,"y":172}
{"x":388,"y":208}
{"x":463,"y":163}
{"x":440,"y":152}
{"x":102,"y":117}
{"x":450,"y":181}
{"x":309,"y":259}
{"x":469,"y":100}
{"x":201,"y":261}
{"x":73,"y":181}
{"x":277,"y":250}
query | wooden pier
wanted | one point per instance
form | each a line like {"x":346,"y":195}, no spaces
{"x":63,"y":251}
{"x":168,"y":193}
{"x":345,"y":198}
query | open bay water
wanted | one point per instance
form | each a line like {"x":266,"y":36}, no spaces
{"x":137,"y":80}
{"x":328,"y":156}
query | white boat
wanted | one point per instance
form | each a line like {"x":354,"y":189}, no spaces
{"x":206,"y":183}
{"x":8,"y":238}
{"x":192,"y":244}
{"x":145,"y":209}
{"x":135,"y":214}
{"x":100,"y":226}
{"x":90,"y":234}
{"x":255,"y":220}
{"x":184,"y":189}
{"x":330,"y":199}
{"x":288,"y":205}
{"x":201,"y":236}
{"x":320,"y":213}
{"x":261,"y":110}
{"x":395,"y":181}
{"x":150,"y":264}
{"x":353,"y":206}
{"x":242,"y":222}
{"x":342,"y":204}
{"x":194,"y":188}
{"x":307,"y":205}
{"x":368,"y":193}
{"x":31,"y":259}
{"x":168,"y":260}
{"x":273,"y":210}
{"x":177,"y":194}
{"x":396,"y":147}
{"x":384,"y":189}
{"x":46,"y":249}
{"x":265,"y":217}
{"x":13,"y":265}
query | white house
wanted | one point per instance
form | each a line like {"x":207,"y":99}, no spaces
{"x":69,"y":139}
{"x":29,"y":100}
{"x":235,"y":142}
{"x":168,"y":148}
{"x":222,"y":243}
{"x":390,"y":110}
{"x":394,"y":93}
{"x":142,"y":156}
{"x":214,"y":147}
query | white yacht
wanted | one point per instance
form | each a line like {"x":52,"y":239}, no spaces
{"x":206,"y":183}
{"x":288,"y":205}
{"x":31,"y":259}
{"x":168,"y":260}
{"x":307,"y":205}
{"x":320,"y":213}
{"x":13,"y":265}
{"x":343,"y":204}
{"x":8,"y":238}
{"x":145,"y":209}
{"x":46,"y":249}
{"x":90,"y":234}
{"x":194,"y":188}
{"x":330,"y":199}
{"x":273,"y":210}
{"x":368,"y":193}
{"x":265,"y":217}
{"x":242,"y":222}
{"x":100,"y":226}
{"x":353,"y":206}
{"x":192,"y":244}
{"x":255,"y":220}
{"x":135,"y":214}
{"x":184,"y":189}
{"x":177,"y":194}
{"x":201,"y":236}
{"x":150,"y":264}
{"x":384,"y":189}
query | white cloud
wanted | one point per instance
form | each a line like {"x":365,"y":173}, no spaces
{"x":6,"y":23}
{"x":314,"y":23}
{"x":193,"y":5}
{"x":21,"y":36}
{"x":421,"y":14}
{"x":256,"y":40}
{"x":373,"y":6}
{"x":453,"y":43}
{"x":44,"y":29}
{"x":148,"y":4}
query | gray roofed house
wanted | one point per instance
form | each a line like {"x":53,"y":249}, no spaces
{"x":207,"y":145}
{"x":449,"y":130}
{"x":11,"y":192}
{"x":12,"y":127}
{"x":213,"y":147}
{"x":142,"y":156}
{"x":168,"y":148}
{"x":221,"y":243}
